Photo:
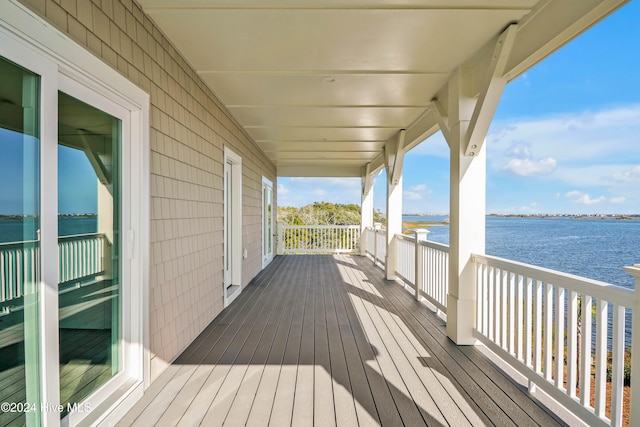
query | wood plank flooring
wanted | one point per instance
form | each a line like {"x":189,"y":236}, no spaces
{"x":324,"y":340}
{"x":84,"y":366}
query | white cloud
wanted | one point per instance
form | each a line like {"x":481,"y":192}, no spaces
{"x":600,"y":137}
{"x":416,"y":192}
{"x":528,"y":167}
{"x":282,"y":190}
{"x":618,"y":200}
{"x":530,"y":208}
{"x":583,"y":198}
{"x":520,"y":161}
{"x":627,"y":176}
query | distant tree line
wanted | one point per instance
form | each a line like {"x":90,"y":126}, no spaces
{"x":325,"y":213}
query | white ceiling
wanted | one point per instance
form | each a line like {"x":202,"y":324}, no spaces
{"x":321,"y":85}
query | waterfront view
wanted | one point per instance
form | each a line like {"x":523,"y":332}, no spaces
{"x":593,"y":248}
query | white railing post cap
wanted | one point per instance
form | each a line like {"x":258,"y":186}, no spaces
{"x":421,"y":233}
{"x":634,"y":270}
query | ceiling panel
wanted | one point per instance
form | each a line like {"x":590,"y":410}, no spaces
{"x":327,"y":89}
{"x":326,"y":116}
{"x":321,"y":85}
{"x":319,"y":39}
{"x":332,"y":146}
{"x":284,"y":134}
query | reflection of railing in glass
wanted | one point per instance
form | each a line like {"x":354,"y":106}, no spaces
{"x":81,"y":258}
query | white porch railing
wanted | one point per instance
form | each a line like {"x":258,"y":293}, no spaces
{"x":80,"y":258}
{"x":377,"y":244}
{"x":434,"y":285}
{"x":430,"y":265}
{"x":406,"y":258}
{"x":380,"y":245}
{"x":317,"y":239}
{"x":542,"y":322}
{"x":568,"y":335}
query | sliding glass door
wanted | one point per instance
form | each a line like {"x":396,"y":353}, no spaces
{"x":65,"y":293}
{"x":74,"y":230}
{"x":89,"y":231}
{"x":19,"y":244}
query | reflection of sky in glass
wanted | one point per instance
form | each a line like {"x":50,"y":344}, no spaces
{"x":77,"y":180}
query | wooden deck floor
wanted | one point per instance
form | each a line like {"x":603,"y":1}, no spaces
{"x":325,"y":340}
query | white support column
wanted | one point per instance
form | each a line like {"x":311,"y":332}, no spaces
{"x":280,"y":243}
{"x":366,"y":208}
{"x":394,"y":159}
{"x":421,"y":236}
{"x":634,"y":417}
{"x":467,"y":228}
{"x":465,"y":107}
{"x":394,"y":225}
{"x":466,"y":210}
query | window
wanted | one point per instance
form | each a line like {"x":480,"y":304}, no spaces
{"x":73,"y":242}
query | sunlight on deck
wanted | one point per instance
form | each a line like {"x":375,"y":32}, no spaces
{"x":325,"y":340}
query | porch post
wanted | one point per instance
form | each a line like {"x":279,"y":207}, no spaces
{"x":467,"y":176}
{"x":467,"y":231}
{"x":464,"y":109}
{"x":394,"y":159}
{"x":421,"y":236}
{"x":366,"y":208}
{"x":634,"y":416}
{"x":394,"y":225}
{"x":280,"y":243}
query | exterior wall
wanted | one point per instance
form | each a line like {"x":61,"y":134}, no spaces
{"x":189,"y":129}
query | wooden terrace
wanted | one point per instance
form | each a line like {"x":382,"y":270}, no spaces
{"x":326,"y":340}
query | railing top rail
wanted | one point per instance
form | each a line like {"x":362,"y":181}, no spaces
{"x":354,"y":227}
{"x":427,"y":243}
{"x":406,"y":237}
{"x":81,"y":236}
{"x":595,"y":288}
{"x":10,"y":245}
{"x":435,"y":245}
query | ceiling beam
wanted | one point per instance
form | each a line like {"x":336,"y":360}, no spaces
{"x":490,"y":93}
{"x":335,"y":171}
{"x":394,"y":157}
{"x":367,"y":179}
{"x":550,"y":26}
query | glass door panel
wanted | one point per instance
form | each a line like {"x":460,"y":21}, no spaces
{"x":89,"y":233}
{"x":19,"y":244}
{"x":267,"y":221}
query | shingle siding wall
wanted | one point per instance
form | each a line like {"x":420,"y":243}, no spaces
{"x":189,"y":129}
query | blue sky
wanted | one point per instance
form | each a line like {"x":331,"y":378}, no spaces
{"x":565,"y":138}
{"x":75,"y":176}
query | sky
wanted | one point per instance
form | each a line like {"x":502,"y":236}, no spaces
{"x":76,"y":178}
{"x":565,"y":138}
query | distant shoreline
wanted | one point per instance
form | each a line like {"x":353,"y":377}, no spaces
{"x":11,"y":217}
{"x":574,"y":216}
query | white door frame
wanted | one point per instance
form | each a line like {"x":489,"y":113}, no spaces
{"x":232,"y":252}
{"x":33,"y":43}
{"x":268,"y":225}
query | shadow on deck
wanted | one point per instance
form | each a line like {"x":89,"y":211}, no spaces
{"x":325,"y":340}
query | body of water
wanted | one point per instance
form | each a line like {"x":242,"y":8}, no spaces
{"x":16,"y":230}
{"x":593,"y":248}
